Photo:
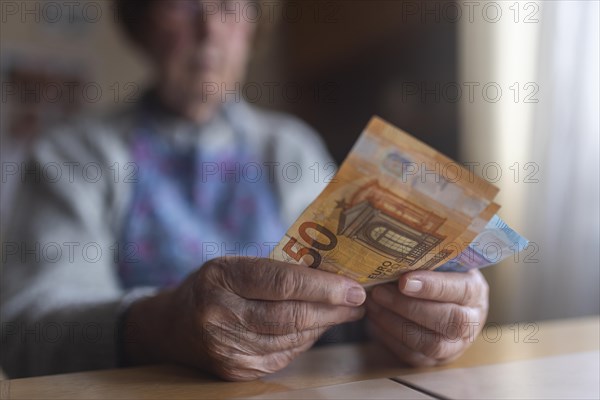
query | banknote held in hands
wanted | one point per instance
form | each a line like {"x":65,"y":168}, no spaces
{"x":397,"y":205}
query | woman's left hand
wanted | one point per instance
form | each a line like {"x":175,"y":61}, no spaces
{"x":429,"y":318}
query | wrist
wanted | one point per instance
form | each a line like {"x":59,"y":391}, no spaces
{"x":146,"y":326}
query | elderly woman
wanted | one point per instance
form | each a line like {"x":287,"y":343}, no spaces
{"x":121,"y":260}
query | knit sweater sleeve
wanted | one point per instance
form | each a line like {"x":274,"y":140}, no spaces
{"x":60,"y":295}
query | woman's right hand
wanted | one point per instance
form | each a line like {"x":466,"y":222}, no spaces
{"x":241,"y":318}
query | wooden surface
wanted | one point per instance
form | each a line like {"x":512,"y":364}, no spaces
{"x":372,"y":389}
{"x":318,"y":367}
{"x":566,"y":376}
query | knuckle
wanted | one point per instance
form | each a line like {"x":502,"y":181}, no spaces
{"x":435,"y":349}
{"x":418,"y":360}
{"x":207,"y":319}
{"x":476,"y":289}
{"x":413,"y":309}
{"x":212,"y":274}
{"x":469,"y":291}
{"x":484,"y":288}
{"x":458,"y":320}
{"x":231,"y":374}
{"x":278,"y":361}
{"x":426,"y":347}
{"x":235,"y":373}
{"x":438,"y":289}
{"x":208,"y":283}
{"x":251,"y":314}
{"x":214,"y":267}
{"x":212,"y":345}
{"x":240,"y":368}
{"x":300,"y":315}
{"x":285,"y":282}
{"x":254,"y":367}
{"x":410,"y":337}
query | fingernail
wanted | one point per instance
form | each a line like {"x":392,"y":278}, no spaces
{"x":356,"y":296}
{"x":413,"y":286}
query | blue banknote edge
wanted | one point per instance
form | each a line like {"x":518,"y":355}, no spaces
{"x":495,"y":243}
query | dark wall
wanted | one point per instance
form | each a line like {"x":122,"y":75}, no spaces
{"x":355,"y":59}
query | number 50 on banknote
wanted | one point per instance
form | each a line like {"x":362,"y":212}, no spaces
{"x":398,"y":205}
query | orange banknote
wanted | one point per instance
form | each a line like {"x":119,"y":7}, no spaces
{"x":395,"y":205}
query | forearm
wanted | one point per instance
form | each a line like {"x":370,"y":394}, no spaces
{"x":145,"y":331}
{"x":74,"y":338}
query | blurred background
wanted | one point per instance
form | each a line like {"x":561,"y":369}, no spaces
{"x":509,"y":88}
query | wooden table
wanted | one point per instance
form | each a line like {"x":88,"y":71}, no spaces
{"x":319,"y":367}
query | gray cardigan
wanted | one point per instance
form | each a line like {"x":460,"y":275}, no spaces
{"x":61,"y":297}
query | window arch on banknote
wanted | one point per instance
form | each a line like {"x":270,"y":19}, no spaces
{"x":392,"y":208}
{"x":392,"y":226}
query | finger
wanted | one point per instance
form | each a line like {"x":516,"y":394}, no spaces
{"x":281,"y":317}
{"x":450,"y":319}
{"x":236,"y":340}
{"x":275,"y":361}
{"x":405,"y":354}
{"x":253,"y":366}
{"x":468,"y":288}
{"x":432,"y":344}
{"x":250,"y":364}
{"x":265,"y":279}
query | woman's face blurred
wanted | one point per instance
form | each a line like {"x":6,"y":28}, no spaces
{"x":200,"y":49}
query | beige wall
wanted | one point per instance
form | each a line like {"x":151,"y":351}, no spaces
{"x":94,"y":43}
{"x":561,"y":277}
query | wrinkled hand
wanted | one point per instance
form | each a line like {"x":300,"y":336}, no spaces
{"x":241,"y":318}
{"x":429,"y":318}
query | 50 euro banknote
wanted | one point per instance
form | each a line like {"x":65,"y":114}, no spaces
{"x":397,"y":205}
